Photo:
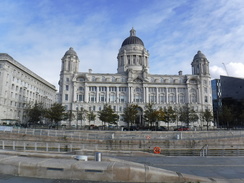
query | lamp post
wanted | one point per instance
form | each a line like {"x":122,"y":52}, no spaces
{"x":77,"y":110}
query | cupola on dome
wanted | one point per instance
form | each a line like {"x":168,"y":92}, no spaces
{"x":133,"y":39}
{"x":71,"y":52}
{"x":199,"y":55}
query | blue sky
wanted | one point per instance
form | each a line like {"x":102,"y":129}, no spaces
{"x":37,"y":33}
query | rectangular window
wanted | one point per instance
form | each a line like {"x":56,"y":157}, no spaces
{"x":102,"y":88}
{"x":171,"y":90}
{"x":102,"y":98}
{"x":181,"y":90}
{"x":112,"y":88}
{"x":122,"y":89}
{"x":67,"y":87}
{"x":92,"y":88}
{"x":206,"y":90}
{"x":81,"y":98}
{"x":162,"y":90}
{"x":206,"y":99}
{"x":66,"y":97}
{"x":152,"y":89}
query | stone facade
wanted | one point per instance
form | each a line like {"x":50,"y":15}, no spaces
{"x":20,"y":86}
{"x":133,"y":84}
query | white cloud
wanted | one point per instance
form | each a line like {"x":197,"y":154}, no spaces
{"x":235,"y":69}
{"x":216,"y":71}
{"x":38,"y":35}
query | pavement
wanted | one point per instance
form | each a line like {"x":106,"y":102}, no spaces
{"x":218,"y":169}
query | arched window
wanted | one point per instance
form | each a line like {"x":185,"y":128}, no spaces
{"x":181,"y":98}
{"x":81,"y":88}
{"x":193,"y":96}
{"x":172,"y":98}
{"x":138,"y":97}
{"x":122,"y":98}
{"x":162,"y":99}
{"x":92,"y":97}
{"x":102,"y":97}
{"x":112,"y":97}
{"x":152,"y":98}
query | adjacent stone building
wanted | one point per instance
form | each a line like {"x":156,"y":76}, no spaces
{"x":18,"y":87}
{"x":133,"y":84}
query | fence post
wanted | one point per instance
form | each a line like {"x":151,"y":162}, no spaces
{"x":58,"y":147}
{"x":14,"y":145}
{"x":70,"y":147}
{"x":24,"y":146}
{"x":47,"y":147}
{"x":35,"y":146}
{"x":3,"y":145}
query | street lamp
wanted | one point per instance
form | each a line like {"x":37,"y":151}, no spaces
{"x":77,"y":109}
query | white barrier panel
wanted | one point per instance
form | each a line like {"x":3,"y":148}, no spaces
{"x":6,"y":128}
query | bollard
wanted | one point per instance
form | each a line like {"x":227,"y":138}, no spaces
{"x":98,"y":156}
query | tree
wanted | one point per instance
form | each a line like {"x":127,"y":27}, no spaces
{"x":170,"y":115}
{"x":207,"y":116}
{"x":56,"y":113}
{"x":91,"y":117}
{"x":107,"y":115}
{"x":150,"y":114}
{"x":188,"y":115}
{"x":81,"y":115}
{"x":130,"y":114}
{"x":35,"y":113}
{"x":226,"y":116}
{"x":161,"y":114}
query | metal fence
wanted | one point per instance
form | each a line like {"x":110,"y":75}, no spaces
{"x":137,"y":135}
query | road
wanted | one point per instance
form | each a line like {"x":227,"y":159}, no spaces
{"x":212,"y":167}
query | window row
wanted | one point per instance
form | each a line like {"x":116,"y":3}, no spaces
{"x":171,"y":98}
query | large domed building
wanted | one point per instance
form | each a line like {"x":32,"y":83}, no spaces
{"x":133,"y":84}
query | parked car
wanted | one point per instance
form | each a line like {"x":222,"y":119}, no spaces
{"x":161,"y":128}
{"x":132,"y":128}
{"x":181,"y":128}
